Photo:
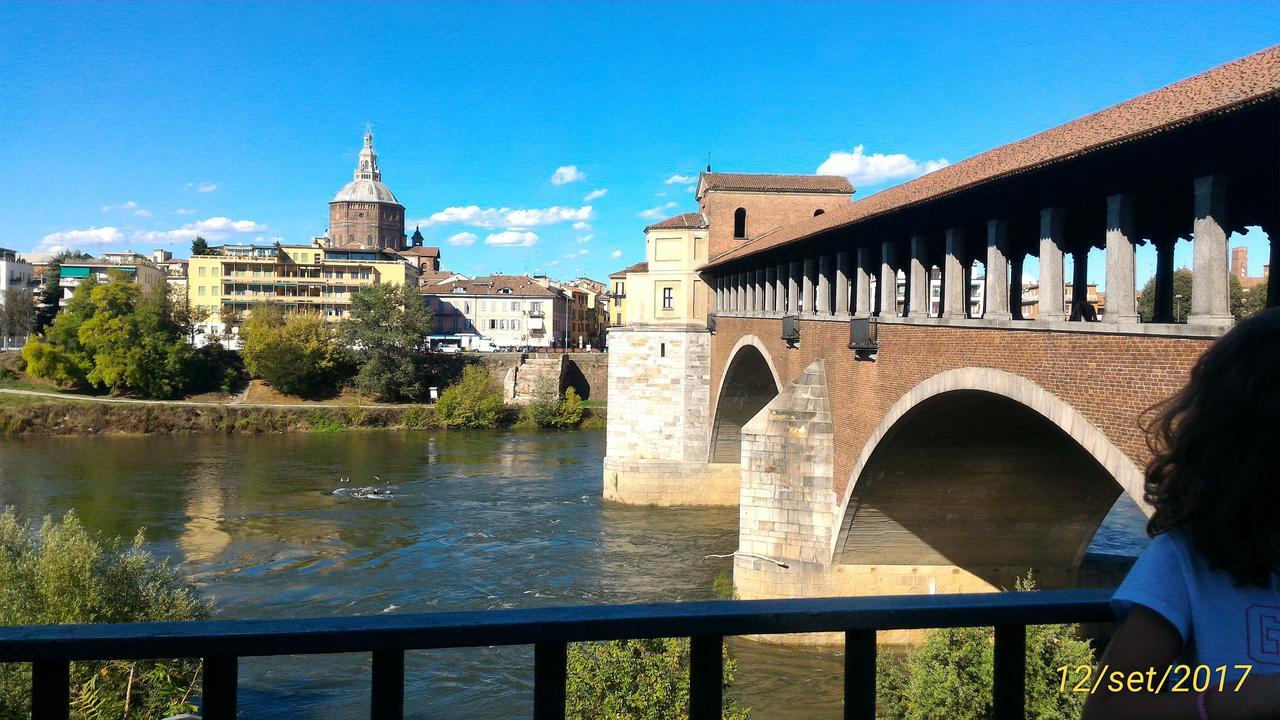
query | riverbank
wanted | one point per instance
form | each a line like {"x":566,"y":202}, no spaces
{"x":25,"y":412}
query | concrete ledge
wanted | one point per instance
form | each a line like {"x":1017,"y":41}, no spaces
{"x":1176,"y":330}
{"x":666,"y":483}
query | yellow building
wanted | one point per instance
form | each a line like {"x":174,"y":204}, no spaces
{"x":618,"y":293}
{"x":228,"y":283}
{"x":669,"y":290}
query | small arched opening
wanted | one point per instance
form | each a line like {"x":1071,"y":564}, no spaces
{"x":740,"y":223}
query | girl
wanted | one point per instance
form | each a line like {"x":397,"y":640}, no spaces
{"x":1205,"y":592}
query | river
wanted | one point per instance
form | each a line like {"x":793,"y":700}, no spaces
{"x":476,"y":520}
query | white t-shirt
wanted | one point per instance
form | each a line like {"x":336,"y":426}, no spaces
{"x":1221,"y":623}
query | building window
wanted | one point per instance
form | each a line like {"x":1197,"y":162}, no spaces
{"x":502,"y":324}
{"x":515,"y":324}
{"x":515,"y":306}
{"x":201,"y":290}
{"x":740,"y":223}
{"x":493,"y":324}
{"x":668,"y":298}
{"x":535,"y":306}
{"x":202,"y":269}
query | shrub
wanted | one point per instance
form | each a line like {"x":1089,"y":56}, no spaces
{"x":950,"y":674}
{"x":475,"y":401}
{"x":635,"y":679}
{"x":548,"y":410}
{"x":416,"y":418}
{"x":569,"y":412}
{"x":593,"y":421}
{"x":62,"y":573}
{"x":294,"y":353}
{"x":324,"y":422}
{"x":722,"y":585}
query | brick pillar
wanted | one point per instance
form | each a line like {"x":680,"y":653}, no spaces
{"x":823,"y":306}
{"x":1052,"y":239}
{"x":793,"y":287}
{"x":843,"y":276}
{"x":1210,"y":290}
{"x":997,"y":284}
{"x":780,"y":288}
{"x":918,"y":278}
{"x":888,"y":279}
{"x":1016,"y":259}
{"x":955,"y":295}
{"x":862,"y":301}
{"x":809,"y":289}
{"x":1122,"y":303}
{"x":770,"y":287}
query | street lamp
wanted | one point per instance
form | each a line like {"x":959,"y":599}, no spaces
{"x":1177,"y":308}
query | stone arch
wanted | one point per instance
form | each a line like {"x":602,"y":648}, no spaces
{"x":1042,"y":457}
{"x":750,"y":380}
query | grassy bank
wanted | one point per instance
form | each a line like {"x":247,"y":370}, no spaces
{"x":27,"y":415}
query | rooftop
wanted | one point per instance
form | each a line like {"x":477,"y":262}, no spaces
{"x":637,"y":268}
{"x":514,"y":285}
{"x":1223,"y":89}
{"x":683,"y":221}
{"x":761,"y":182}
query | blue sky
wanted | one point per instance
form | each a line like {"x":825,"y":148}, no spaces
{"x":138,"y":125}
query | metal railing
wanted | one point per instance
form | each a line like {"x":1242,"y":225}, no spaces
{"x":51,"y":648}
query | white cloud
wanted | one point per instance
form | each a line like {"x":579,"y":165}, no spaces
{"x":204,"y":187}
{"x":126,"y":205}
{"x":216,"y":228}
{"x":566,"y":174}
{"x":476,"y":216}
{"x":512,"y":238}
{"x":876,"y":168}
{"x":69,"y":239}
{"x":184,"y":211}
{"x":680,"y":179}
{"x":570,"y":256}
{"x":463,"y":238}
{"x":581,"y":226}
{"x":553,"y":263}
{"x":585,"y":238}
{"x":142,"y":213}
{"x":595,"y":194}
{"x":616,"y":254}
{"x":583,"y":251}
{"x":655,"y":213}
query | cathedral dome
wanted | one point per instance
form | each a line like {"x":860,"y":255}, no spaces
{"x":367,"y":184}
{"x":365,"y":191}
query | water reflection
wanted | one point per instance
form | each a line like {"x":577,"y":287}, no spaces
{"x":479,"y":520}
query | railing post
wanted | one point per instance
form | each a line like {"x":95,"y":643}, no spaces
{"x":50,"y":690}
{"x":1009,"y":689}
{"x":706,"y":677}
{"x":386,"y":697}
{"x":860,"y":675}
{"x":218,"y":699}
{"x":550,"y":660}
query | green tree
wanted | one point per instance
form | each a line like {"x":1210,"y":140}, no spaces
{"x":1241,"y":303}
{"x":950,"y":674}
{"x":636,"y":680}
{"x":200,"y":246}
{"x":17,"y":314}
{"x":389,"y":327}
{"x":1254,"y":300}
{"x":62,"y":573}
{"x":295,"y":353}
{"x":60,"y":356}
{"x":475,"y":401}
{"x":50,"y":289}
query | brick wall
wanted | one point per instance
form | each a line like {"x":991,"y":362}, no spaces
{"x":1110,"y":379}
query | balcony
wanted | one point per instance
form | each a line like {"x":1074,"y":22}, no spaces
{"x":52,"y":648}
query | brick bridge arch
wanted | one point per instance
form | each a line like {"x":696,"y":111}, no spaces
{"x":985,"y":470}
{"x":749,"y":382}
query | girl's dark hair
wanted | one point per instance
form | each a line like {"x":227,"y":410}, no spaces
{"x":1215,"y":446}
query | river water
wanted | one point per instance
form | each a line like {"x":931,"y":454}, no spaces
{"x":476,"y":520}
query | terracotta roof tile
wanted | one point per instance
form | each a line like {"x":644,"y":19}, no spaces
{"x":1246,"y":81}
{"x":637,"y":268}
{"x":520,"y":285}
{"x":683,"y":221}
{"x":760,"y":182}
{"x":420,"y":250}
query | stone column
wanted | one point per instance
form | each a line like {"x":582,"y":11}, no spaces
{"x":955,"y":296}
{"x":793,"y":287}
{"x":1162,"y":304}
{"x":888,"y":279}
{"x":843,"y":274}
{"x":1052,"y":237}
{"x":770,"y":283}
{"x":780,"y":289}
{"x":807,"y":291}
{"x":1210,"y":290}
{"x":1079,"y":280}
{"x":862,"y":306}
{"x":1122,"y":305}
{"x":760,"y":290}
{"x":997,"y":284}
{"x":1016,"y":259}
{"x":823,"y":306}
{"x":733,"y":291}
{"x":748,"y":291}
{"x":918,"y":278}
